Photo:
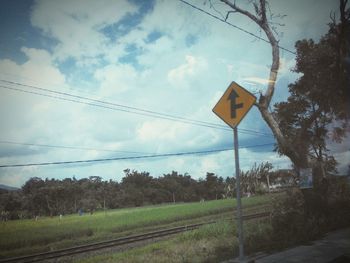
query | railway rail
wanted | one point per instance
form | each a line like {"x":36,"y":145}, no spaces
{"x":117,"y":242}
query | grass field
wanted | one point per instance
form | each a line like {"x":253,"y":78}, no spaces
{"x":210,"y":243}
{"x":29,"y":236}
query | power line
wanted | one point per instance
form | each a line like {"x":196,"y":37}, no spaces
{"x":148,"y":112}
{"x":130,"y":157}
{"x":68,"y":147}
{"x":111,"y":103}
{"x":123,"y":108}
{"x":111,"y":108}
{"x":232,"y":25}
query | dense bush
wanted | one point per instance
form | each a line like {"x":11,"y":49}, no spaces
{"x":303,"y":215}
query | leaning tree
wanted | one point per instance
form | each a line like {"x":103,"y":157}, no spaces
{"x":299,"y":124}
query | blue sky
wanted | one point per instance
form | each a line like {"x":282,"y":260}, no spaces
{"x":162,"y":56}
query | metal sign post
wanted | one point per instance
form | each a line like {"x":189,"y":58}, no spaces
{"x":231,"y":108}
{"x":239,"y":205}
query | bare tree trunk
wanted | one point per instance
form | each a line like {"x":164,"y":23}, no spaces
{"x":104,"y":205}
{"x":300,"y":160}
{"x":48,"y":205}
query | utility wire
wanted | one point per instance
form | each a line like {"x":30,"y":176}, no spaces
{"x":68,"y":147}
{"x":110,"y":103}
{"x":165,"y":116}
{"x":124,"y":108}
{"x":232,"y":25}
{"x":131,"y":157}
{"x":111,"y":108}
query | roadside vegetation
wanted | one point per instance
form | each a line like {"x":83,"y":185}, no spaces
{"x":304,"y":215}
{"x":292,"y":222}
{"x":53,"y":197}
{"x":211,"y":243}
{"x":30,"y":236}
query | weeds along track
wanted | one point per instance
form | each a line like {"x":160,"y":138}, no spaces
{"x":119,"y":241}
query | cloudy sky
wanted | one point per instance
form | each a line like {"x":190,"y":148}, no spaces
{"x":65,"y":66}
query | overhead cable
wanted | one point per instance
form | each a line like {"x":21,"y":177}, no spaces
{"x":123,"y":108}
{"x":232,"y":25}
{"x":130,"y":157}
{"x":69,"y":147}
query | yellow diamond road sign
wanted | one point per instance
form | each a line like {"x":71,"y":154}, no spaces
{"x":234,"y":104}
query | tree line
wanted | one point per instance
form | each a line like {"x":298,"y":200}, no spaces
{"x":51,"y":197}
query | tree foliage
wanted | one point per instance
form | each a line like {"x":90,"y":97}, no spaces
{"x":317,"y":109}
{"x":256,"y":180}
{"x":53,"y":197}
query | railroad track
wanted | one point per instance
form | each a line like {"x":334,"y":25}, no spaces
{"x":117,"y":242}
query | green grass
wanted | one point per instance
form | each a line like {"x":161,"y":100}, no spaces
{"x":210,"y":243}
{"x":29,"y":236}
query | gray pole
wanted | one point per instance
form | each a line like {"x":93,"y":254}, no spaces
{"x":239,"y":209}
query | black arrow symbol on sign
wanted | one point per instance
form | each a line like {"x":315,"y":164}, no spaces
{"x":234,"y":106}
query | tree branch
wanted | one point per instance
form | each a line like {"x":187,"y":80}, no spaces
{"x":228,"y":13}
{"x":263,"y":12}
{"x":264,"y":101}
{"x":242,"y":11}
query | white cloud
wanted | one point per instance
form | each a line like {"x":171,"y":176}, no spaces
{"x":39,"y":66}
{"x":15,"y":179}
{"x":192,"y":67}
{"x":179,"y":20}
{"x":156,"y":130}
{"x":77,"y":25}
{"x":343,"y":158}
{"x":209,"y":164}
{"x":19,"y":111}
{"x":341,"y":151}
{"x":115,"y":78}
{"x":154,"y":52}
